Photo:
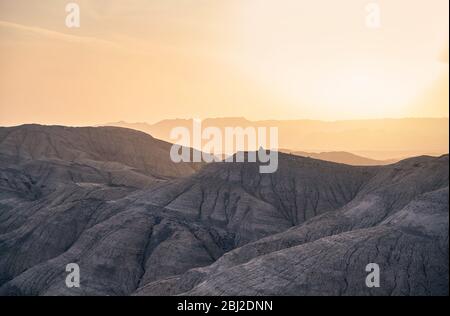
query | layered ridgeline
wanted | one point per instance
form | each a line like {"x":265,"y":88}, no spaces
{"x":342,"y":157}
{"x":110,"y":200}
{"x":381,"y":140}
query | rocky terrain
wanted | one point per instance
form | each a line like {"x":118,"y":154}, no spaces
{"x":110,"y":200}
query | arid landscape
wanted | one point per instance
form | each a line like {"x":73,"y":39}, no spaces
{"x":110,"y":200}
{"x":356,"y":142}
{"x":193,"y":149}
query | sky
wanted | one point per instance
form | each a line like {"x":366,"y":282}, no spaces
{"x":148,"y":60}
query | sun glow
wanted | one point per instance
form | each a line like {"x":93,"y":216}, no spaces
{"x":331,"y":65}
{"x":151,"y":60}
{"x":365,"y":92}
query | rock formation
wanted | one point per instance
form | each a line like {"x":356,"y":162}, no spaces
{"x":110,"y":200}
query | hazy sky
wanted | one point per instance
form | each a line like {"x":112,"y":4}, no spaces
{"x":146,"y":60}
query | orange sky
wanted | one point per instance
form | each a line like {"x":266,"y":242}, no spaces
{"x":147,"y":60}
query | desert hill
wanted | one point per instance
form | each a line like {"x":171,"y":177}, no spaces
{"x":156,"y":228}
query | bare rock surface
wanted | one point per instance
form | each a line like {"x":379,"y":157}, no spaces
{"x":106,"y":148}
{"x":412,"y":255}
{"x":413,"y":194}
{"x":110,"y":200}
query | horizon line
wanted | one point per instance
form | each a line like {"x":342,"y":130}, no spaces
{"x":223,"y":118}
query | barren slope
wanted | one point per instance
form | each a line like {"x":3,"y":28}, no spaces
{"x":309,"y":228}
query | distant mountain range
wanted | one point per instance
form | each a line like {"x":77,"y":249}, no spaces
{"x":110,"y":200}
{"x":376,"y":139}
{"x":342,"y":157}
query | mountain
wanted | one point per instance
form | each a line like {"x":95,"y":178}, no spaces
{"x":222,"y":228}
{"x":342,"y":157}
{"x":378,"y":139}
{"x":414,"y":239}
{"x":117,"y":149}
{"x":398,"y":219}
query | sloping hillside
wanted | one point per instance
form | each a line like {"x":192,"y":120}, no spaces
{"x":310,"y":228}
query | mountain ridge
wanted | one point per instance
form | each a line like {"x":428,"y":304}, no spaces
{"x":378,"y":139}
{"x":219,"y":229}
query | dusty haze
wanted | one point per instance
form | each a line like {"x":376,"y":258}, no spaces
{"x":163,"y":59}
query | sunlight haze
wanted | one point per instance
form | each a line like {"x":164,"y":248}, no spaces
{"x":153,"y":60}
